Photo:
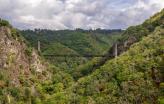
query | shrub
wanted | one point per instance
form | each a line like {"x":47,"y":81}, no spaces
{"x":15,"y":92}
{"x":161,"y":101}
{"x":27,"y":94}
{"x":4,"y":23}
{"x":28,"y":51}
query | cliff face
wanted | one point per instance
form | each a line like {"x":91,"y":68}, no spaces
{"x":16,"y":59}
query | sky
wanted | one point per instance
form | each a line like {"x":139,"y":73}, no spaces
{"x":71,"y":14}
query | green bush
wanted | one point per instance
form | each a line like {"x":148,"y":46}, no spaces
{"x":27,"y":94}
{"x":15,"y":92}
{"x":28,"y":51}
{"x":161,"y":101}
{"x":4,"y":23}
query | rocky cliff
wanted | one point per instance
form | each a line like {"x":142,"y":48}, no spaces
{"x":18,"y":62}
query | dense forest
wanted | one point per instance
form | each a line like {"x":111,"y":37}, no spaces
{"x":71,"y":42}
{"x":130,"y":71}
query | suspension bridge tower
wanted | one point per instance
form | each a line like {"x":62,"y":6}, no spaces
{"x":39,"y":49}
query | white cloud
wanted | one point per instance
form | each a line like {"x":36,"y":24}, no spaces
{"x":69,"y":14}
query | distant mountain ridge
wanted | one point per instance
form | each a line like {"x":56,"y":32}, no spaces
{"x":78,"y":42}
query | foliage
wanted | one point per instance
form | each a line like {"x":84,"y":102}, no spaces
{"x":4,"y":23}
{"x":127,"y":78}
{"x":71,"y":42}
{"x":131,"y":35}
{"x":134,"y":77}
{"x":28,"y":51}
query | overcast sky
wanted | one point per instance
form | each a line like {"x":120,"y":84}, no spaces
{"x":70,"y":14}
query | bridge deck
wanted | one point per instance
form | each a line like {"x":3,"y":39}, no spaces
{"x":74,"y":55}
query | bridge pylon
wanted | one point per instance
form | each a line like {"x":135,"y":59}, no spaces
{"x":39,"y":49}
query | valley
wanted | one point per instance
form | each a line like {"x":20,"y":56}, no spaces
{"x":128,"y":71}
{"x":65,"y":43}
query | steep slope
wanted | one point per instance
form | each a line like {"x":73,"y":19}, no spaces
{"x":132,"y":35}
{"x":25,"y":77}
{"x":16,"y":56}
{"x":135,"y":77}
{"x":20,"y":66}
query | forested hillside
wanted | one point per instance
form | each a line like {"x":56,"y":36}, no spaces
{"x":130,"y":72}
{"x":24,"y":75}
{"x":72,"y":42}
{"x":21,"y":68}
{"x":132,"y":35}
{"x":134,"y":77}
